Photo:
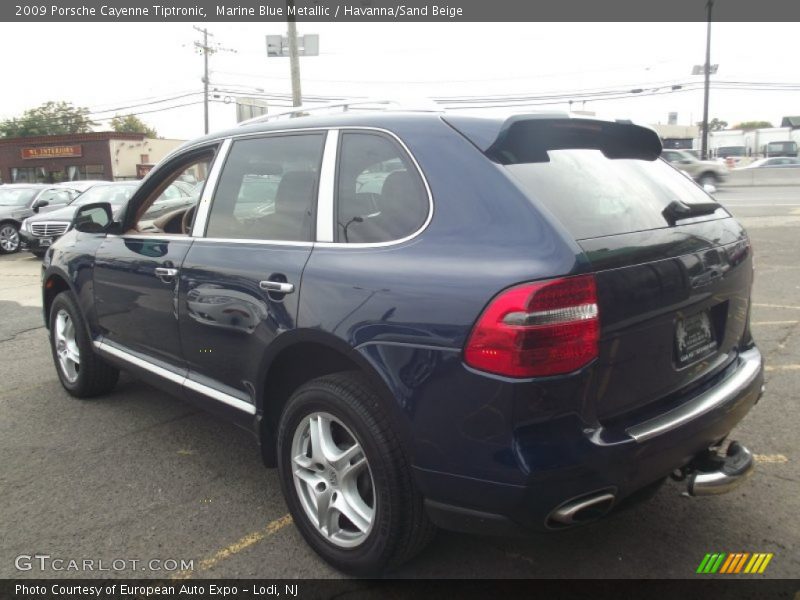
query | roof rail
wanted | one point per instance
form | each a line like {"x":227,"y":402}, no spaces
{"x":345,"y":105}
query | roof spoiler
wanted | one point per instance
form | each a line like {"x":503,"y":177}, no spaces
{"x":528,"y":138}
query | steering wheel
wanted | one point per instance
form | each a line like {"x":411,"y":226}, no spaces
{"x":187,"y":220}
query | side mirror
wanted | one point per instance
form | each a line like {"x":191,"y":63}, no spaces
{"x":39,"y":204}
{"x":93,"y":218}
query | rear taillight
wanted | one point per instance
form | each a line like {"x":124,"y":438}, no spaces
{"x":537,"y":329}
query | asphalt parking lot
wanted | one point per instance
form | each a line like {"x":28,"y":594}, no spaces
{"x":140,"y":475}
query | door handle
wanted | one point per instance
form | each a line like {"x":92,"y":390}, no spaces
{"x":166,"y":274}
{"x":276,"y":286}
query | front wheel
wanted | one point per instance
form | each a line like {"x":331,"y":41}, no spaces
{"x":707,"y":179}
{"x":9,"y":238}
{"x":346,"y":479}
{"x":81,"y":371}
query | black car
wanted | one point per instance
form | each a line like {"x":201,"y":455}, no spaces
{"x":38,"y":232}
{"x":482,"y":324}
{"x":21,"y":200}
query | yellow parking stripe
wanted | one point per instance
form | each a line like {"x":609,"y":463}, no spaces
{"x":245,"y":542}
{"x":777,"y":306}
{"x":782,"y":368}
{"x":774,"y":322}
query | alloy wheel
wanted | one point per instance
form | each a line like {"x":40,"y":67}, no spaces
{"x":9,"y":238}
{"x":333,"y":480}
{"x":69,"y":356}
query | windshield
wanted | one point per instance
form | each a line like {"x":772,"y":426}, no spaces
{"x":16,"y":197}
{"x":594,"y":196}
{"x":116,"y":195}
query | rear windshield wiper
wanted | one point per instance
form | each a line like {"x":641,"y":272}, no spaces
{"x":677,"y":210}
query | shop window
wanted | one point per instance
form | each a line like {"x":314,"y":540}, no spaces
{"x":78,"y":172}
{"x":27,"y":175}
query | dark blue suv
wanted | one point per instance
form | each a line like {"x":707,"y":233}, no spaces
{"x":480,"y":324}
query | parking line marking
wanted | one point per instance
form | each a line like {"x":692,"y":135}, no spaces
{"x":775,"y":322}
{"x":770,"y":458}
{"x":782,"y":368}
{"x":777,"y":306}
{"x":250,"y":539}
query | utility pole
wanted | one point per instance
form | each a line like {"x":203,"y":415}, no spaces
{"x":294,"y":60}
{"x":206,"y":50}
{"x":704,"y":142}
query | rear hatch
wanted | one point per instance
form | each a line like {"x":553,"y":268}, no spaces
{"x":673,"y":269}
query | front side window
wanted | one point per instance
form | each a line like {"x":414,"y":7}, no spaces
{"x":116,"y":195}
{"x":167,"y":209}
{"x":268,"y":188}
{"x":380,"y":196}
{"x":57,"y":197}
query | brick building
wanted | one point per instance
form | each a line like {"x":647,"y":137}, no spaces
{"x":98,"y":155}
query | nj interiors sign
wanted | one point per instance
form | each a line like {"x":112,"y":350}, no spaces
{"x":52,"y":152}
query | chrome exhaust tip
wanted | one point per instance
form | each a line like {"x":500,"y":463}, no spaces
{"x":581,"y":510}
{"x":735,"y":467}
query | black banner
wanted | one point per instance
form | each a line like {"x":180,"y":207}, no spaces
{"x":245,"y":589}
{"x":396,"y":11}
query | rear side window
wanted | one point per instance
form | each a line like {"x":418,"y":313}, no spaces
{"x":267,"y":189}
{"x":594,"y":196}
{"x":380,"y":196}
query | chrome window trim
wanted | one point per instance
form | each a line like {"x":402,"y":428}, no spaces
{"x":151,"y":236}
{"x":327,"y":188}
{"x":204,"y":206}
{"x":182,"y":380}
{"x":423,"y":227}
{"x":254,"y":241}
{"x":324,"y":203}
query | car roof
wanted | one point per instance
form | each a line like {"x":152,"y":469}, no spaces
{"x":378,"y":119}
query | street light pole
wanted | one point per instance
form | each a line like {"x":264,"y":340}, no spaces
{"x":704,"y":145}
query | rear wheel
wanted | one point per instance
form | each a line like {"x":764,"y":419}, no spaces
{"x":346,"y":479}
{"x":81,"y":371}
{"x":9,"y":238}
{"x":707,"y":179}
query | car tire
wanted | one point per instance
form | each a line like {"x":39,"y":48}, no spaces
{"x":39,"y":253}
{"x":707,"y":179}
{"x":9,"y":238}
{"x":81,"y":371}
{"x":373,"y":485}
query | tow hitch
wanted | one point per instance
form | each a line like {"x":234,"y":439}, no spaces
{"x":710,"y":473}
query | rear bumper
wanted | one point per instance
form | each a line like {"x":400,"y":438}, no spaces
{"x":564,"y":461}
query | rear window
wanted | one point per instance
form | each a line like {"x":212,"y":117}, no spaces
{"x":594,"y":196}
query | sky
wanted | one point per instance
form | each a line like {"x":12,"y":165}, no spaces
{"x":106,"y":66}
